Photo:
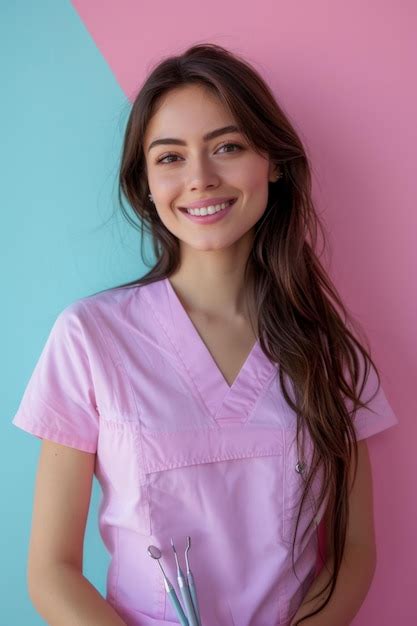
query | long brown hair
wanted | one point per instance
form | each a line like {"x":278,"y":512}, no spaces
{"x":302,"y":322}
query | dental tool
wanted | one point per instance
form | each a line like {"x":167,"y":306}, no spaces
{"x":156,"y":554}
{"x":185,"y":591}
{"x":191,"y":584}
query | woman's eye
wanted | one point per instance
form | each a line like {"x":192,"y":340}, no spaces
{"x":170,"y":155}
{"x":234,"y":145}
{"x":167,"y":156}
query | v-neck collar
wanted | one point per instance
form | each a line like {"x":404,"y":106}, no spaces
{"x":224,"y":403}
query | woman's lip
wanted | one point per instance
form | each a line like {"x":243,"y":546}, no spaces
{"x":231,"y":200}
{"x":209,"y":218}
{"x":207,"y":203}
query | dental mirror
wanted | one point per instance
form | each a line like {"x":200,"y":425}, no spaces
{"x":156,"y":554}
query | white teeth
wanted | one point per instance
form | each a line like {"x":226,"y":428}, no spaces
{"x":209,"y":210}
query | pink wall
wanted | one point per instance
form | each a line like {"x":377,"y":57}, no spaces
{"x":345,"y":73}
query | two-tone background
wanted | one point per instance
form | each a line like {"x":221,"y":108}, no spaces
{"x":345,"y":74}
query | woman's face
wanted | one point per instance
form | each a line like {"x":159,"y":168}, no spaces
{"x":200,"y":169}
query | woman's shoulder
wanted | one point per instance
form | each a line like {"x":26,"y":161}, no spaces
{"x":111,"y":301}
{"x":114,"y":309}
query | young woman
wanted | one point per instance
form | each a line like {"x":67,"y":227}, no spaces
{"x":223,"y":396}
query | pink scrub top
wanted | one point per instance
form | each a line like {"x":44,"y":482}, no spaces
{"x":125,"y":374}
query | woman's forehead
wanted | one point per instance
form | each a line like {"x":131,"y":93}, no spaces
{"x":186,"y":114}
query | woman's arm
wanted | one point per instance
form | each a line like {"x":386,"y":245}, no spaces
{"x":355,"y":577}
{"x":359,"y":559}
{"x":57,"y":587}
{"x":64,"y":597}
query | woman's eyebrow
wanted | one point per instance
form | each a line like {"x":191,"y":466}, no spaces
{"x":211,"y":135}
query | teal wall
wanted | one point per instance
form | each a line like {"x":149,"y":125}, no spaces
{"x":62,"y":236}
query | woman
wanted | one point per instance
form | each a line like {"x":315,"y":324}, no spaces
{"x":223,"y":396}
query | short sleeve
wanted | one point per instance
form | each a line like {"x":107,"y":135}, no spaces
{"x":59,"y":401}
{"x":378,"y":415}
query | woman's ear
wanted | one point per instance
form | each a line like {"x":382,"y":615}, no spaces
{"x":274,"y":172}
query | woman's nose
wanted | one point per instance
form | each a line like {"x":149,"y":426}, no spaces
{"x":203,"y":174}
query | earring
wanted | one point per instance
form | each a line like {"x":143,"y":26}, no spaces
{"x":150,"y":197}
{"x":278,"y":177}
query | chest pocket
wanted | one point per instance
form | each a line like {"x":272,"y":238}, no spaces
{"x":223,"y":487}
{"x":197,"y":468}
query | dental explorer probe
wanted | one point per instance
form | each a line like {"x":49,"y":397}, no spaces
{"x":191,"y":584}
{"x":185,"y":592}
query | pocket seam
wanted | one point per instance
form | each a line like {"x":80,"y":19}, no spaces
{"x":211,"y":459}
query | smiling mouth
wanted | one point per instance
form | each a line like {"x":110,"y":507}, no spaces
{"x":223,"y":206}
